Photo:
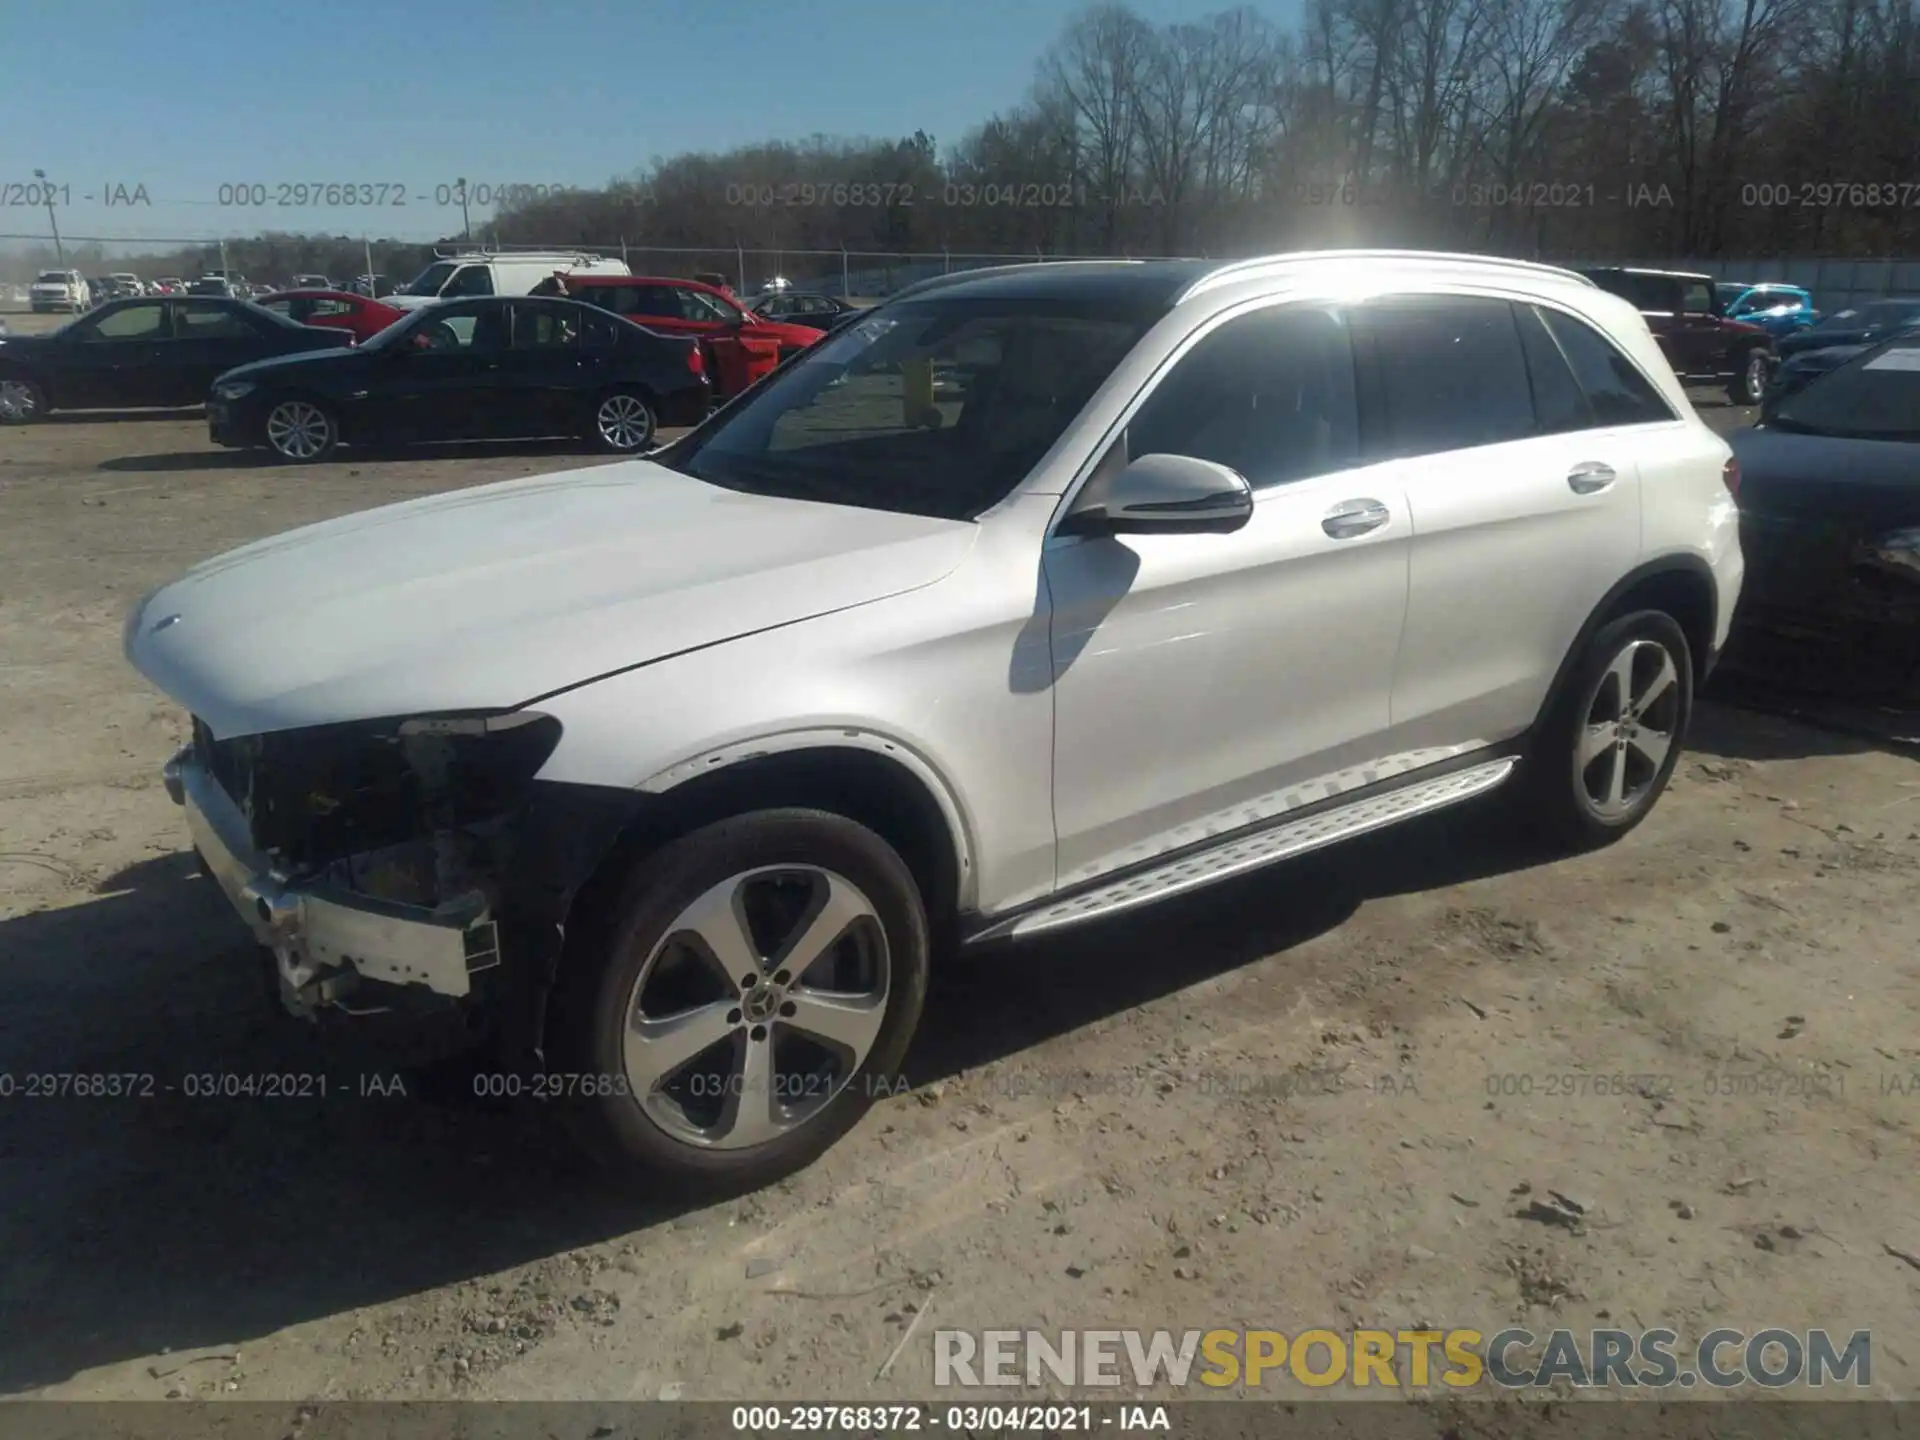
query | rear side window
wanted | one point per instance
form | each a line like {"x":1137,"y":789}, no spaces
{"x":1448,"y":373}
{"x":596,"y":331}
{"x":1614,"y":386}
{"x":1559,"y":404}
{"x":1270,"y":395}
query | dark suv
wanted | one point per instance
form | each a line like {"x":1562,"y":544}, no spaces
{"x":1703,"y":346}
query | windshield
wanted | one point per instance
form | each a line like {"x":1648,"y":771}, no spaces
{"x":934,"y":407}
{"x":52,"y":277}
{"x":429,"y":280}
{"x":1730,"y":293}
{"x":1876,"y":396}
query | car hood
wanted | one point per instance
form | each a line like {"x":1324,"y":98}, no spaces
{"x":1826,"y":357}
{"x":1874,"y":481}
{"x":258,"y":370}
{"x":1808,"y":340}
{"x":498,"y":595}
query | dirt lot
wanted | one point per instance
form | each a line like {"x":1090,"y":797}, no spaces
{"x":1318,"y":1097}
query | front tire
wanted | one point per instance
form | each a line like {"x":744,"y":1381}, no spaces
{"x":1608,"y":747}
{"x":22,"y":400}
{"x":1749,"y":384}
{"x":741,"y":1002}
{"x":623,"y":423}
{"x":301,"y":431}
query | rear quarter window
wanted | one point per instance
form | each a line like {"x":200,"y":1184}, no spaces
{"x":1614,"y":386}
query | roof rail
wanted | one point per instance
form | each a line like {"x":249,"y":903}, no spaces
{"x":491,"y":252}
{"x":955,"y":277}
{"x":1248,"y":269}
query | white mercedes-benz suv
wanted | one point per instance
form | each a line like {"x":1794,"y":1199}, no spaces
{"x":1035,"y":595}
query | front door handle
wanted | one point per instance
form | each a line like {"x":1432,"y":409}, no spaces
{"x":1590,"y":477}
{"x":1354,"y":517}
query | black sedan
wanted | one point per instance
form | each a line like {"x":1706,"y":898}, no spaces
{"x":796,"y":307}
{"x":1830,"y":524}
{"x":1803,"y":367}
{"x":1867,"y":324}
{"x":159,"y":351}
{"x":487,"y":368}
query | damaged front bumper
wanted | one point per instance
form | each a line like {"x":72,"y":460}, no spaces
{"x":327,"y":941}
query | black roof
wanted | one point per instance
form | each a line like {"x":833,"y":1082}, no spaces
{"x":1151,"y":284}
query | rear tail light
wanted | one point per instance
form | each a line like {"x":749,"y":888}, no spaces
{"x":696,"y":362}
{"x":1730,"y":476}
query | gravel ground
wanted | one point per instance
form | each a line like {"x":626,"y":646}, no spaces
{"x":1328,"y":1095}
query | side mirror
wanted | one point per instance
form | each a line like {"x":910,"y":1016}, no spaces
{"x":1160,"y":495}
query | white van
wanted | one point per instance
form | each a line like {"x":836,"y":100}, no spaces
{"x":488,"y":272}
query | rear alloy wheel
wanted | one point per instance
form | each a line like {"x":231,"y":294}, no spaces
{"x":1609,"y":747}
{"x":743,"y":1002}
{"x":1749,"y":385}
{"x":21,"y":400}
{"x":623,"y":423}
{"x":301,"y":431}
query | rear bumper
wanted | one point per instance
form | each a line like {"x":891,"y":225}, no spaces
{"x":325,"y":939}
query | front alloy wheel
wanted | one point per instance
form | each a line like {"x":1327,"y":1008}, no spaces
{"x":300,"y":430}
{"x":21,"y":400}
{"x":759,"y":1005}
{"x":623,"y":423}
{"x":737,"y":1004}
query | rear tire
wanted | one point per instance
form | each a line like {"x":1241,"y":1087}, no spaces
{"x":300,"y":430}
{"x":1607,"y":748}
{"x":1749,"y":383}
{"x":833,"y":905}
{"x":623,"y":423}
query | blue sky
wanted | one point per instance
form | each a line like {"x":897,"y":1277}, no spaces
{"x":113,"y":96}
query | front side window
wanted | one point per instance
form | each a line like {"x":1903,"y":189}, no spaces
{"x":135,"y":322}
{"x":461,"y":329}
{"x":1270,"y":394}
{"x":539,"y":327}
{"x":933,"y":407}
{"x":1696,"y":297}
{"x":1449,"y":371}
{"x":1616,"y":389}
{"x":1873,"y":397}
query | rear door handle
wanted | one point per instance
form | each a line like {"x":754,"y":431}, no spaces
{"x":1590,"y":477}
{"x":1354,"y":517}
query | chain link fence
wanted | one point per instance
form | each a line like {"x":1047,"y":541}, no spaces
{"x":1835,"y":284}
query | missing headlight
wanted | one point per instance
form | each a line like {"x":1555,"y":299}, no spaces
{"x":319,"y":795}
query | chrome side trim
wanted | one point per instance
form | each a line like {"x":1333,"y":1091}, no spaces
{"x":1191,"y":870}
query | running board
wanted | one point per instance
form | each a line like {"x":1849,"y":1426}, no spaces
{"x":1191,"y":870}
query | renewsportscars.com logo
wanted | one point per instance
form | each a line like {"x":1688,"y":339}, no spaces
{"x":1511,"y":1359}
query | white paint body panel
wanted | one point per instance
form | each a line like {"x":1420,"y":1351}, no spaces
{"x":492,"y":596}
{"x":1073,"y":706}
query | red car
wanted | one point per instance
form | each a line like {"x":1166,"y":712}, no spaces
{"x":741,"y":346}
{"x":334,"y":310}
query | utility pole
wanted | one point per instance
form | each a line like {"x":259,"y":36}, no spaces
{"x":59,"y":250}
{"x":466,"y":225}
